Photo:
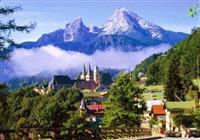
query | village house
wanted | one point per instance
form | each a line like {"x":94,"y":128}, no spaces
{"x":152,"y":111}
{"x":142,"y":78}
{"x":158,"y":114}
{"x":94,"y":112}
{"x":173,"y":108}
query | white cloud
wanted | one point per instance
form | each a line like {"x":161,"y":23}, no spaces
{"x":52,"y":59}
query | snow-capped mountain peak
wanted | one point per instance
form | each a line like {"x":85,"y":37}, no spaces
{"x":78,"y":22}
{"x":77,"y":31}
{"x":126,"y":22}
{"x":74,"y":30}
{"x":94,"y":29}
{"x":121,"y":21}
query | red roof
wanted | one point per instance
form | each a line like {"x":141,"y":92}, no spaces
{"x":158,"y":110}
{"x":95,"y":107}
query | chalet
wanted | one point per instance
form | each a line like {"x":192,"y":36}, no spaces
{"x":158,"y":114}
{"x":173,"y":108}
{"x":150,"y":103}
{"x":94,"y":111}
{"x":152,"y":111}
{"x":158,"y":111}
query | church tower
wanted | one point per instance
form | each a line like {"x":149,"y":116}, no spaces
{"x":83,"y":75}
{"x":82,"y":106}
{"x":96,"y":75}
{"x":89,"y":76}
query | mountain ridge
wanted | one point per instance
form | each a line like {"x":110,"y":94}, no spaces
{"x":125,"y":30}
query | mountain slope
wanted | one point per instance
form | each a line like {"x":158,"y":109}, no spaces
{"x":125,"y":22}
{"x":129,"y":23}
{"x":186,"y":52}
{"x":125,"y":30}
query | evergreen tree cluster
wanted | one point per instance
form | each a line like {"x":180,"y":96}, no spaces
{"x":124,"y":105}
{"x":26,"y":108}
{"x":175,"y":68}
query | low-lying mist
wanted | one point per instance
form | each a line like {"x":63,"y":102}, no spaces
{"x":27,"y":62}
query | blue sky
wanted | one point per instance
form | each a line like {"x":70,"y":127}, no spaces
{"x":54,"y":14}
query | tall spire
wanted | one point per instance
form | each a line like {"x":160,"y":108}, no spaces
{"x":96,"y":75}
{"x":83,"y":74}
{"x":83,"y":107}
{"x":84,"y":70}
{"x":89,"y":69}
{"x":89,"y":76}
{"x":96,"y":69}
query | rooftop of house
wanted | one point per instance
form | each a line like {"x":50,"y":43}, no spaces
{"x":170,"y":105}
{"x":61,"y":80}
{"x":150,"y":103}
{"x":158,"y":110}
{"x":81,"y":84}
{"x":95,"y":107}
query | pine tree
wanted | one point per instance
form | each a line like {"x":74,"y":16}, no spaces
{"x":7,"y":28}
{"x":174,"y":90}
{"x":124,"y":104}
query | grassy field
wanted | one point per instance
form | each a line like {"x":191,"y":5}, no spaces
{"x":153,"y":96}
{"x":154,"y":92}
{"x":155,"y":88}
{"x":91,"y":94}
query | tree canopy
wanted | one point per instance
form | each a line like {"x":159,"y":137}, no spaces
{"x":25,"y":108}
{"x":105,"y":78}
{"x":124,"y":104}
{"x":7,"y":27}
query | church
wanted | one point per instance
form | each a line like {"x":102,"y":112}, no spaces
{"x":88,"y":80}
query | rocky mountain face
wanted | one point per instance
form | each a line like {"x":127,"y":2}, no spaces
{"x":125,"y":30}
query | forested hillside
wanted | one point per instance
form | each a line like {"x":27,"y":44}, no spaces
{"x":175,"y":68}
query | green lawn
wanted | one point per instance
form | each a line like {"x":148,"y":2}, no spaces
{"x":91,"y":94}
{"x":181,"y":105}
{"x":154,"y":92}
{"x":153,"y":96}
{"x":155,"y":88}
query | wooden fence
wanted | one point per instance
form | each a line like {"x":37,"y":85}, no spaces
{"x":86,"y":134}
